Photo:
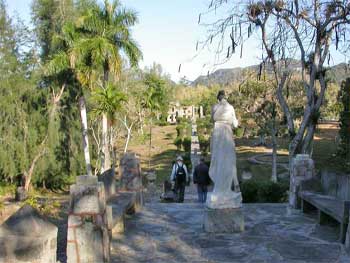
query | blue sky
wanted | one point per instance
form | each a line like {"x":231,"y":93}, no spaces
{"x":168,"y":33}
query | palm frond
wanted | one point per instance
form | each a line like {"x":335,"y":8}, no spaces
{"x":58,"y":63}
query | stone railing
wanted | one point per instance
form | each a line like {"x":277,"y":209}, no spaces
{"x":95,"y":215}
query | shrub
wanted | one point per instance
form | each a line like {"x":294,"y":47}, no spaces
{"x":7,"y":189}
{"x":259,"y":191}
{"x":186,"y":144}
{"x":204,"y":144}
{"x":161,"y":122}
{"x":178,"y":143}
{"x":187,"y":161}
{"x":239,"y":132}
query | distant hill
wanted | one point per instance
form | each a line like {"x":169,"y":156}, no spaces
{"x":226,"y":76}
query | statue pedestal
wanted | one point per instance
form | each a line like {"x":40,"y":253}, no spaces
{"x":224,"y":200}
{"x":223,"y":220}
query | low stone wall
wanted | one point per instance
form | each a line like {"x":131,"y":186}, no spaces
{"x":88,"y":238}
{"x":28,"y":237}
{"x":336,"y":184}
{"x":95,"y":214}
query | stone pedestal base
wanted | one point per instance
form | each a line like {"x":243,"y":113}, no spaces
{"x":223,"y":220}
{"x":224,"y":200}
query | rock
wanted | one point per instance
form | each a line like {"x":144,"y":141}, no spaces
{"x":28,"y":237}
{"x":223,"y":220}
{"x":151,"y":177}
{"x":168,"y":194}
{"x":21,"y":194}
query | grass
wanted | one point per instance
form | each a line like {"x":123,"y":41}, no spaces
{"x":164,"y":152}
{"x":6,"y":189}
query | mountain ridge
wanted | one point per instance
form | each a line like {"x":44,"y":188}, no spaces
{"x":227,"y":76}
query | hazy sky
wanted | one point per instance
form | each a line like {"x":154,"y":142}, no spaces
{"x":167,"y":34}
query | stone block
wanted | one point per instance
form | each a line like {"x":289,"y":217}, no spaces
{"x":223,"y":220}
{"x":109,"y":182}
{"x":119,"y":226}
{"x":28,"y":237}
{"x":130,"y":171}
{"x":224,"y":200}
{"x":87,"y":199}
{"x":87,"y":245}
{"x":86,"y":180}
{"x":303,"y":168}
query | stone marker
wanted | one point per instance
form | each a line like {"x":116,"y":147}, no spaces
{"x":28,"y":237}
{"x":21,"y":194}
{"x":302,"y":168}
{"x":88,"y":239}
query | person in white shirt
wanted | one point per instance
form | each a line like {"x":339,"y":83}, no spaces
{"x":179,"y":175}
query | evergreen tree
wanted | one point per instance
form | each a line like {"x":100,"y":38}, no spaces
{"x":344,"y":132}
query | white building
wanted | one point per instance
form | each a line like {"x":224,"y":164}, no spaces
{"x":187,"y":112}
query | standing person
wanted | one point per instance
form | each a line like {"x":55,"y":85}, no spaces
{"x":179,"y":176}
{"x":202,"y":179}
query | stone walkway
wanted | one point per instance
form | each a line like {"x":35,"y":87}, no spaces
{"x":171,"y":232}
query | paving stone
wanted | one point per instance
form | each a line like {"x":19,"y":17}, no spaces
{"x":172,"y":232}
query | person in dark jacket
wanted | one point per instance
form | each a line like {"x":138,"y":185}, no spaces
{"x":202,"y":179}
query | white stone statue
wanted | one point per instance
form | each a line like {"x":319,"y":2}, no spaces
{"x":223,"y":168}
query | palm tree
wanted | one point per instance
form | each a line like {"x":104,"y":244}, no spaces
{"x":108,"y":101}
{"x":105,"y":34}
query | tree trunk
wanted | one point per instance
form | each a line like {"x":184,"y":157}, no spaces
{"x":274,"y":155}
{"x":28,"y":174}
{"x":83,"y":116}
{"x":105,"y":158}
{"x":150,"y":145}
{"x":308,"y":140}
{"x":127,"y":140}
{"x":141,"y":121}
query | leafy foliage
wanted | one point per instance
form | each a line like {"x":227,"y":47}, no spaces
{"x":344,"y":132}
